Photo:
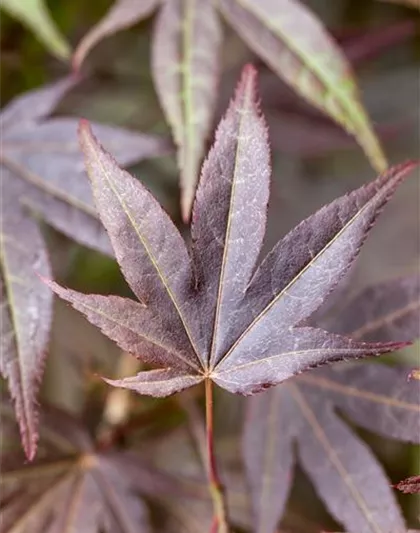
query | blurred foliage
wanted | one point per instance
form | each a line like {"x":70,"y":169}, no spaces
{"x":118,"y":89}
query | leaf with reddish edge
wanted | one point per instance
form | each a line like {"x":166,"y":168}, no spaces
{"x":26,"y":308}
{"x":185,"y":66}
{"x":42,"y":173}
{"x":302,"y":411}
{"x":122,"y":15}
{"x":294,"y":43}
{"x":242,"y":329}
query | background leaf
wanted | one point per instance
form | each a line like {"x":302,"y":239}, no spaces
{"x":123,"y":14}
{"x":35,"y":15}
{"x":185,"y":63}
{"x":345,"y":473}
{"x":42,"y":174}
{"x":296,"y":46}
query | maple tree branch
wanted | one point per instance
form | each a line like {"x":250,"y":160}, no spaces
{"x":220,"y":522}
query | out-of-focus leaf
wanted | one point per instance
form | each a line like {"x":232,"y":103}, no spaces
{"x":123,"y":14}
{"x":346,"y":474}
{"x":410,"y":485}
{"x":212,"y":317}
{"x":35,"y":15}
{"x":296,"y":46}
{"x":386,"y":310}
{"x":369,"y":44}
{"x":74,"y":486}
{"x":42,"y":172}
{"x":185,"y":59}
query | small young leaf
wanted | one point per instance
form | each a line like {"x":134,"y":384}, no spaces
{"x":297,"y":47}
{"x":35,"y":15}
{"x":123,"y":14}
{"x":185,"y":59}
{"x":410,"y":485}
{"x":348,"y":477}
{"x":245,"y":332}
{"x":42,"y":171}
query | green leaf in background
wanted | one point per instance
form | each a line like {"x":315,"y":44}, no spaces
{"x":35,"y":15}
{"x":185,"y":56}
{"x":295,"y":44}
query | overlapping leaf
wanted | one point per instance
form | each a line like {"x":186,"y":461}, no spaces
{"x":345,"y":472}
{"x":74,"y":486}
{"x":297,"y":47}
{"x":42,"y":173}
{"x":185,"y":60}
{"x":213,"y":316}
{"x":185,"y":48}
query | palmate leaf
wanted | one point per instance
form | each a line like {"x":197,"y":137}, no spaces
{"x":42,"y":172}
{"x":212,"y":315}
{"x":346,"y":474}
{"x":185,"y":57}
{"x":74,"y":486}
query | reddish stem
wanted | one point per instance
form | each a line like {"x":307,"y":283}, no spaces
{"x":220,"y":523}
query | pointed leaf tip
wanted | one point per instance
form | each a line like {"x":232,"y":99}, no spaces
{"x":248,"y":82}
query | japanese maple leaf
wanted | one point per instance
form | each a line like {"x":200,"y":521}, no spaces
{"x":186,"y":45}
{"x":346,"y":474}
{"x":74,"y":485}
{"x":42,"y":172}
{"x":213,"y":315}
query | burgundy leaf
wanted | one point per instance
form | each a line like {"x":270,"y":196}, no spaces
{"x":42,"y":173}
{"x":344,"y":471}
{"x":270,"y":428}
{"x":134,"y":327}
{"x":385,"y":311}
{"x":158,"y":382}
{"x":75,"y":487}
{"x":346,"y":474}
{"x":229,"y":215}
{"x":123,"y":14}
{"x":243,"y":330}
{"x":410,"y":485}
{"x":43,"y":157}
{"x":151,"y":252}
{"x":185,"y":60}
{"x":26,"y":308}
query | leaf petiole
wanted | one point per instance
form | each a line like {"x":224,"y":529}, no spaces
{"x":220,"y":521}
